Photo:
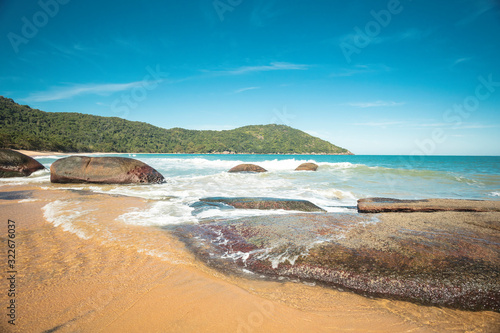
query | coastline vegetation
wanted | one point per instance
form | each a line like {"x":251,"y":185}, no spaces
{"x":22,"y":127}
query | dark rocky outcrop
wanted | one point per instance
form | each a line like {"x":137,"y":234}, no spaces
{"x":447,"y":259}
{"x":103,"y":170}
{"x":379,"y":205}
{"x":15,"y":164}
{"x":307,"y":167}
{"x":247,"y":168}
{"x":266,"y":203}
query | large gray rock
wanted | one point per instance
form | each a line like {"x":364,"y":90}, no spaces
{"x":15,"y":164}
{"x":380,"y":205}
{"x":103,"y":170}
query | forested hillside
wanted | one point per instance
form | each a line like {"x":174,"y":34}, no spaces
{"x":22,"y":127}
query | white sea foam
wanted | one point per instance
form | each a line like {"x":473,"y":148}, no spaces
{"x":159,"y":214}
{"x":339,"y":165}
{"x":188,"y":180}
{"x":238,"y":213}
{"x":65,"y":214}
{"x":28,"y":200}
{"x":335,"y":187}
{"x":37,"y":177}
{"x":50,"y":157}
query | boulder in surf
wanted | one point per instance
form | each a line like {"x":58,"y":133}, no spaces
{"x":16,"y":164}
{"x":307,"y":167}
{"x":247,"y":168}
{"x":103,"y":170}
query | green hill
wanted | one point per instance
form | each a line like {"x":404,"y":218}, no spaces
{"x":22,"y":127}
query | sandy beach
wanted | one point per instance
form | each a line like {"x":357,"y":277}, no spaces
{"x":108,"y":276}
{"x":34,"y":153}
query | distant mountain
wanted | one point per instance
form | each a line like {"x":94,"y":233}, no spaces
{"x":22,"y":127}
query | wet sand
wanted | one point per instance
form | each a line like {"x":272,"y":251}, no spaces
{"x":80,"y":268}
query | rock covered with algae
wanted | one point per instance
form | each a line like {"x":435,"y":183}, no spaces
{"x":449,"y":259}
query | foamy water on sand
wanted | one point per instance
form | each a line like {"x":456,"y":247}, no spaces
{"x":337,"y":185}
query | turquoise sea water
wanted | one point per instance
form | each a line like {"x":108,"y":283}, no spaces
{"x":339,"y":182}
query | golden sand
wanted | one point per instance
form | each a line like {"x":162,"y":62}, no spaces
{"x":34,"y":153}
{"x":82,"y":269}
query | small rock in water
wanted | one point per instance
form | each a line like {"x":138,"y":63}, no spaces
{"x":307,"y":167}
{"x":247,"y":168}
{"x":203,"y":206}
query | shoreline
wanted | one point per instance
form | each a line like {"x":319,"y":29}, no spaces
{"x":91,"y":271}
{"x":34,"y":153}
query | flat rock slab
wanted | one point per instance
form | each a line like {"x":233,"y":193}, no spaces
{"x":447,"y":259}
{"x":266,"y":203}
{"x":379,"y":205}
{"x":103,"y":170}
{"x":16,"y":164}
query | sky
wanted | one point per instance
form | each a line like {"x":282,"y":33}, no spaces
{"x":408,"y":77}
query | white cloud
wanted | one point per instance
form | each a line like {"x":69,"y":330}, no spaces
{"x":361,"y":69}
{"x":274,"y":66}
{"x":453,"y":126}
{"x":459,"y":60}
{"x":411,"y":34}
{"x":381,"y":123}
{"x":425,"y":126}
{"x":59,"y":93}
{"x":481,"y":7}
{"x":245,"y":89}
{"x":407,"y":35}
{"x":475,"y":126}
{"x":375,"y":104}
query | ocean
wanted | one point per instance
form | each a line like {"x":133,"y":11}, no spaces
{"x":336,"y":186}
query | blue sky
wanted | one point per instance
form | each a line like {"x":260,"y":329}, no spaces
{"x":376,"y":77}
